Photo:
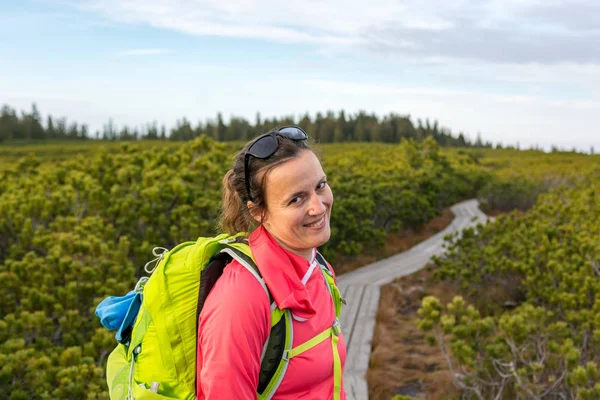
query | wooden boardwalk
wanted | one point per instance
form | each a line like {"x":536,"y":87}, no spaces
{"x":361,"y":290}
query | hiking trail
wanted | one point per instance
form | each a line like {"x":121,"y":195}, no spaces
{"x":361,"y":289}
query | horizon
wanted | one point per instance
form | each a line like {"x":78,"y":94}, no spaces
{"x":515,"y":72}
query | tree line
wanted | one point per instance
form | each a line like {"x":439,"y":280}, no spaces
{"x":326,"y":127}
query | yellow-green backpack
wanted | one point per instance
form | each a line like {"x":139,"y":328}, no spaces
{"x":157,"y":359}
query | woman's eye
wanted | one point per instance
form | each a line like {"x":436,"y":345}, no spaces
{"x":295,"y":200}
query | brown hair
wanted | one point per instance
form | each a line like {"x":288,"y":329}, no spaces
{"x":234,"y":214}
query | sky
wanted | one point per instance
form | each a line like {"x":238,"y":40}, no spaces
{"x":515,"y":71}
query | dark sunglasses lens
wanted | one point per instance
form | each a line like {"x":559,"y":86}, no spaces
{"x":263,"y":147}
{"x":293,"y":133}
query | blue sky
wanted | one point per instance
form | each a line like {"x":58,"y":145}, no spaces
{"x":515,"y":70}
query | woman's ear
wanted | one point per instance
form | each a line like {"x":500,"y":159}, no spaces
{"x":254,"y":211}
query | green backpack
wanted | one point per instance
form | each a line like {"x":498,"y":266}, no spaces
{"x":159,"y":359}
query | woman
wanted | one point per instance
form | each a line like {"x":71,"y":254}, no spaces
{"x":277,"y":182}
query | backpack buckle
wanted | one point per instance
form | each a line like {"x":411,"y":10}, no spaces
{"x":286,"y":355}
{"x":336,"y":327}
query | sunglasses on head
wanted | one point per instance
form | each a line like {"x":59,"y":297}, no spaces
{"x":266,"y":145}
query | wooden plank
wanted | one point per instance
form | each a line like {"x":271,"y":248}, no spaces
{"x":389,"y":267}
{"x":350,"y":310}
{"x":368,"y":329}
{"x":407,"y":269}
{"x":349,"y":383}
{"x":356,"y":388}
{"x":363,"y":331}
{"x":361,"y":391}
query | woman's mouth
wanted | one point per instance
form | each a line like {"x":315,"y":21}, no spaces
{"x":317,"y":224}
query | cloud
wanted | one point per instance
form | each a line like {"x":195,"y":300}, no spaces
{"x":143,"y":52}
{"x":508,"y":42}
{"x":575,"y":15}
{"x":519,"y":31}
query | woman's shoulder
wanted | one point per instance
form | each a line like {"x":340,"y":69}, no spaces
{"x":239,"y":287}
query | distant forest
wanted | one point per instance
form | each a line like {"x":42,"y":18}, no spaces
{"x":324,"y":128}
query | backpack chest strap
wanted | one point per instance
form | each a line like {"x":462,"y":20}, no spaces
{"x":332,"y":332}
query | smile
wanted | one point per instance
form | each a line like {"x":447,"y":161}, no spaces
{"x":317,"y":224}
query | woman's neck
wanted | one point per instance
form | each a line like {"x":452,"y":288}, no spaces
{"x":307,"y":254}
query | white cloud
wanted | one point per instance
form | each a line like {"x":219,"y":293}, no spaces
{"x":337,"y":22}
{"x":143,"y":52}
{"x":519,"y":31}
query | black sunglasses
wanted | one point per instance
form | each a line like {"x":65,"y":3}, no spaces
{"x":266,"y":145}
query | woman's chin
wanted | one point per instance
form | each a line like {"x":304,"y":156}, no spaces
{"x":322,"y":237}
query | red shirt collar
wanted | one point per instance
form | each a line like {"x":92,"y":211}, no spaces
{"x":282,"y":271}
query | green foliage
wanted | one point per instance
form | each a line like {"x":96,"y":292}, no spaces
{"x":521,"y":176}
{"x":535,"y":278}
{"x":77,"y":227}
{"x":381,"y":189}
{"x":509,"y":193}
{"x":75,"y":230}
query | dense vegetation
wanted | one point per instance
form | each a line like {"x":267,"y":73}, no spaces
{"x":74,"y":231}
{"x":324,"y":128}
{"x":532,"y":329}
{"x":519,"y":177}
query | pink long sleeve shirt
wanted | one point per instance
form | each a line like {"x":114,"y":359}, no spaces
{"x":235,"y":322}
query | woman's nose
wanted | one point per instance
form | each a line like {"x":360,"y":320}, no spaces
{"x":316,"y":205}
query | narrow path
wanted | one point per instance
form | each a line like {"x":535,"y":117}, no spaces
{"x":361,"y":289}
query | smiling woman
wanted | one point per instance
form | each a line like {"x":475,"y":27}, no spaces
{"x":284,"y":189}
{"x":276,"y":190}
{"x":300,"y":203}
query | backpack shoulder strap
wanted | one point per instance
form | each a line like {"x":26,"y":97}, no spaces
{"x":248,"y":262}
{"x":330,"y":282}
{"x":280,"y":335}
{"x":321,"y":260}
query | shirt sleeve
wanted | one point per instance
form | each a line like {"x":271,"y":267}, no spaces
{"x":233,"y":327}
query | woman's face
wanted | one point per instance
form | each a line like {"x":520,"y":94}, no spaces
{"x":298,"y":202}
